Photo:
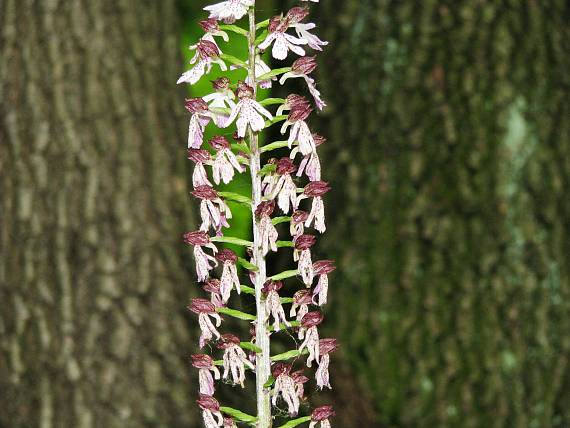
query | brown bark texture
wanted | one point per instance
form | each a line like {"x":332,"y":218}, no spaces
{"x":449,"y":155}
{"x":92,"y":205}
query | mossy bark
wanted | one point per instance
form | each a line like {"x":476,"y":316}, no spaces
{"x":449,"y":155}
{"x":93,"y":202}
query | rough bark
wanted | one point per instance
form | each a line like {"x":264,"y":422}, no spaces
{"x":93,"y":289}
{"x":450,"y":140}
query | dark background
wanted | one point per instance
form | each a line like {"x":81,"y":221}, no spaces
{"x":449,"y":156}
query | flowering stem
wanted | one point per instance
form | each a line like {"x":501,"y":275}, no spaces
{"x":262,"y":339}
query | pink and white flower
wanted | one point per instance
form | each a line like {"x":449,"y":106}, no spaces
{"x":300,"y":380}
{"x":200,"y":157}
{"x":225,"y":162}
{"x":322,"y":268}
{"x":310,"y":333}
{"x":211,"y":414}
{"x":248,"y":111}
{"x":212,"y":29}
{"x":204,"y":262}
{"x":326,"y":346}
{"x":213,"y":210}
{"x":222,"y":98}
{"x":268,"y":235}
{"x":302,"y":254}
{"x":229,"y":11}
{"x":284,"y":189}
{"x":302,"y":68}
{"x":316,"y":190}
{"x":207,"y":54}
{"x":206,"y":309}
{"x":321,"y":415}
{"x":286,"y":387}
{"x":311,"y":164}
{"x":300,"y":131}
{"x":273,"y":304}
{"x":282,"y":42}
{"x":235,"y":359}
{"x":212,"y":286}
{"x":206,"y":367}
{"x":297,"y":224}
{"x":295,"y":16}
{"x":229,"y":277}
{"x":201,"y":116}
{"x":301,"y":301}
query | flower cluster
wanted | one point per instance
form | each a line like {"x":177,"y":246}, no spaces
{"x":286,"y":189}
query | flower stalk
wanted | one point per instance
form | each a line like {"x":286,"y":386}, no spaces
{"x":279,"y":189}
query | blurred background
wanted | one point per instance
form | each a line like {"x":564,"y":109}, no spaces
{"x":449,"y":155}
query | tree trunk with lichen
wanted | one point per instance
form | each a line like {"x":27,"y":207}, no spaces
{"x":449,"y":132}
{"x":92,"y":327}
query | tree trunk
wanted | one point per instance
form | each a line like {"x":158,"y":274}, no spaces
{"x":93,"y":289}
{"x":450,"y":151}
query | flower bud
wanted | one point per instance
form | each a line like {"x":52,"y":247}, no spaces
{"x":286,"y":166}
{"x":196,"y":105}
{"x":300,"y":216}
{"x":265,"y":208}
{"x":304,"y":242}
{"x":219,"y":142}
{"x":322,"y":413}
{"x":316,"y":188}
{"x":228,"y":340}
{"x":297,"y":14}
{"x":202,"y":361}
{"x":326,"y":346}
{"x":280,"y":368}
{"x":209,"y":25}
{"x":271,"y":285}
{"x":201,"y":306}
{"x":227,"y":255}
{"x":208,"y":403}
{"x":196,"y":238}
{"x":323,"y":267}
{"x":304,"y":65}
{"x":221,"y":84}
{"x":312,"y":319}
{"x":205,"y":192}
{"x":207,"y":49}
{"x":199,"y":155}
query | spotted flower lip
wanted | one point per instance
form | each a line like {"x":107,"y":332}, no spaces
{"x":322,"y":413}
{"x":202,"y":306}
{"x":212,"y":285}
{"x":304,"y":242}
{"x":286,"y":166}
{"x":312,"y":319}
{"x":304,"y":65}
{"x":316,"y":189}
{"x":227,"y":255}
{"x":199,"y":155}
{"x":271,"y":285}
{"x":299,"y":113}
{"x":297,"y":14}
{"x":197,"y":237}
{"x":300,"y":216}
{"x":265,"y":208}
{"x":205,"y":192}
{"x":228,"y":340}
{"x":303,"y":297}
{"x":279,"y":369}
{"x":207,"y":402}
{"x":209,"y":25}
{"x":196,"y":105}
{"x":202,"y":361}
{"x":323,"y":267}
{"x":328,"y":345}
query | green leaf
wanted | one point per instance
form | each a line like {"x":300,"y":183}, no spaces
{"x":236,"y":197}
{"x":281,"y":244}
{"x":271,"y":101}
{"x":275,"y":120}
{"x":247,"y":290}
{"x":274,"y":146}
{"x":241,"y":147}
{"x":261,"y":37}
{"x":279,"y":220}
{"x":287,"y":300}
{"x":267,"y":169}
{"x":296,"y":422}
{"x":286,"y":355}
{"x":232,"y":59}
{"x":262,"y":24}
{"x":239,"y":415}
{"x":221,"y":110}
{"x":231,"y":240}
{"x":269,"y":382}
{"x":251,"y":347}
{"x":247,"y":265}
{"x":284,"y":275}
{"x":236,"y":314}
{"x":282,"y":326}
{"x":273,"y":73}
{"x":235,"y":29}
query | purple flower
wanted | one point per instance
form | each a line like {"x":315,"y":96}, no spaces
{"x":310,"y":333}
{"x":212,"y":28}
{"x":247,"y":111}
{"x":212,"y":286}
{"x":210,"y":408}
{"x":295,"y":16}
{"x":311,"y":164}
{"x":213,"y":210}
{"x":267,"y":233}
{"x":206,"y":309}
{"x":205,"y":364}
{"x":225,"y":161}
{"x":229,"y":274}
{"x":284,"y":188}
{"x":297,"y":226}
{"x":302,"y":254}
{"x":235,"y":359}
{"x":204,"y":262}
{"x":322,"y":268}
{"x":222,"y":98}
{"x":301,"y":301}
{"x":273,"y":303}
{"x":207,"y":53}
{"x":326,"y":346}
{"x":201,"y":116}
{"x":282,"y":42}
{"x":300,"y":380}
{"x":315,"y":190}
{"x":321,"y":414}
{"x":300,"y":131}
{"x":199,"y":176}
{"x":285,"y":386}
